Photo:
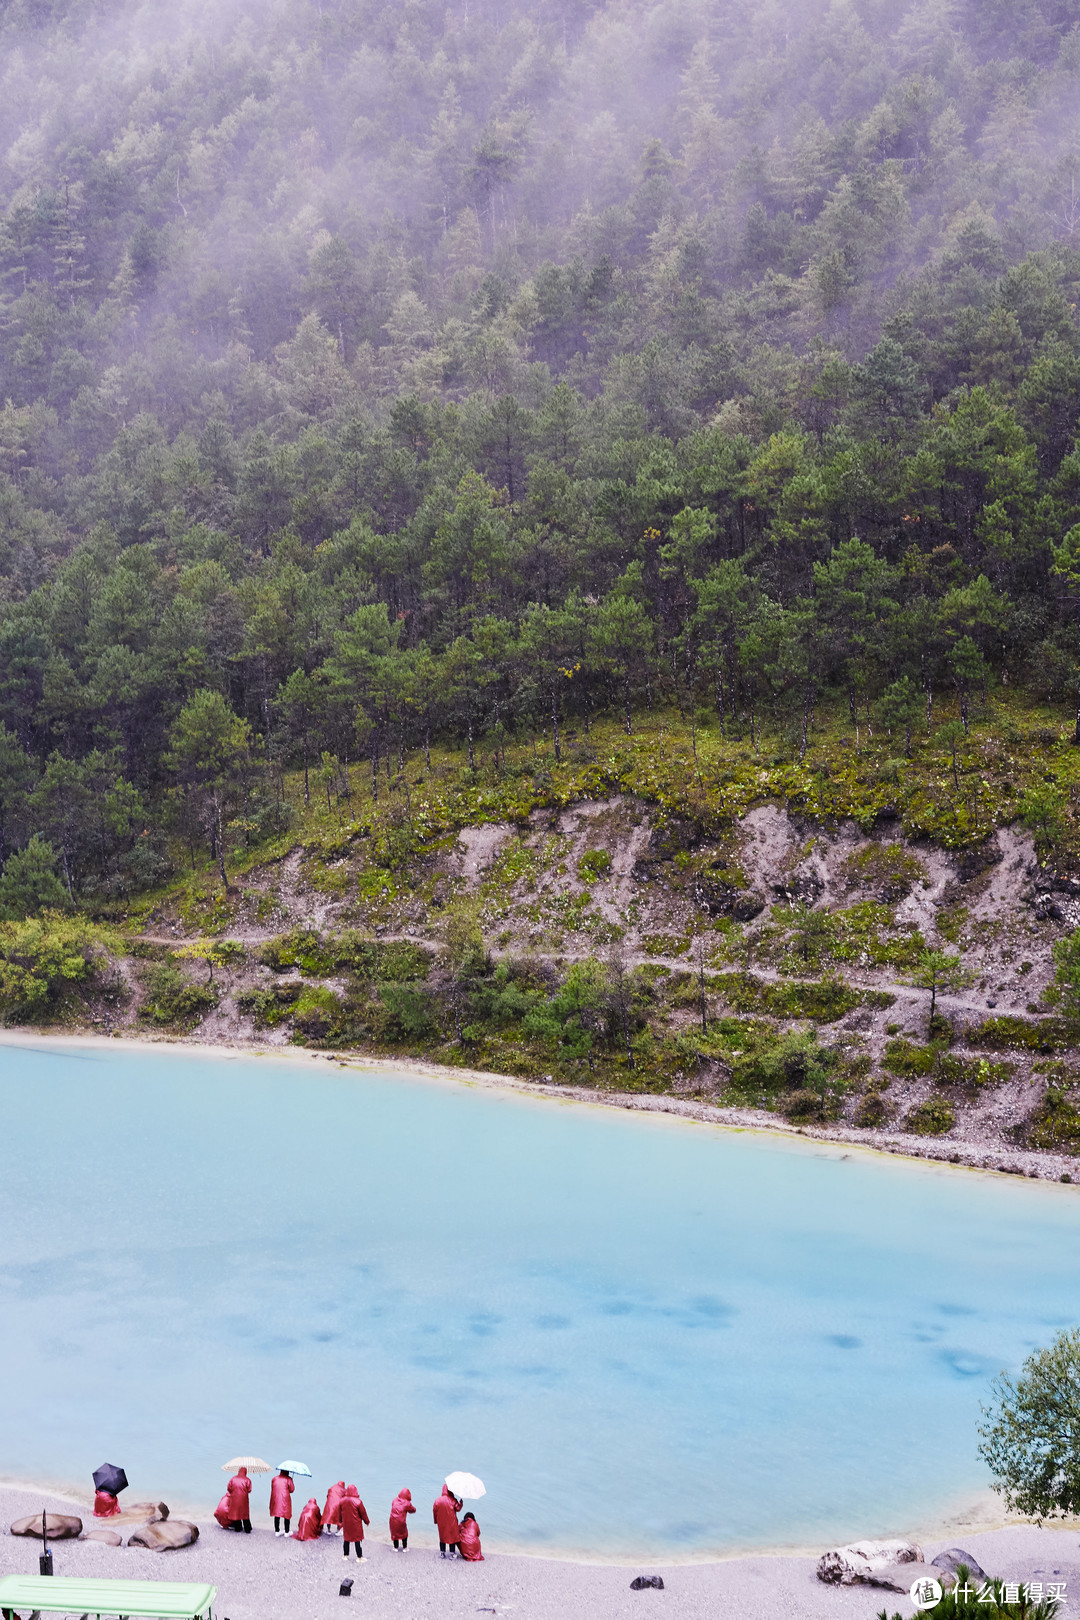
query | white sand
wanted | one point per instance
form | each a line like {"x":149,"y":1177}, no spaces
{"x":260,"y":1577}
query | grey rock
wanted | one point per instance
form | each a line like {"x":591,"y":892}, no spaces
{"x":953,"y":1557}
{"x":148,"y":1512}
{"x":899,"y":1577}
{"x":108,"y":1538}
{"x":641,"y":1582}
{"x":846,"y":1566}
{"x":748,"y":906}
{"x":58,"y":1526}
{"x":164,"y":1537}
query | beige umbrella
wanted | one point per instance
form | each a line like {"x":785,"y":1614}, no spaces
{"x":254,"y":1465}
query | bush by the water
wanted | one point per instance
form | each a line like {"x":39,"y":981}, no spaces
{"x":173,"y":1001}
{"x":45,"y":961}
{"x":933,"y":1117}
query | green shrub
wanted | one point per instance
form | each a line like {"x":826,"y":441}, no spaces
{"x":1055,"y":1123}
{"x":872,"y":1111}
{"x":933,"y":1117}
{"x":1000,"y":1034}
{"x":906,"y":1058}
{"x":173,"y":1001}
{"x":594,"y":864}
{"x":317,"y":1013}
{"x":409,"y":1010}
{"x":271,"y":1006}
{"x":43,"y":960}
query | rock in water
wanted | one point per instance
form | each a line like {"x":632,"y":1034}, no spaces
{"x":953,"y":1557}
{"x":109,"y":1538}
{"x":165,"y":1537}
{"x":58,"y":1526}
{"x":846,"y":1566}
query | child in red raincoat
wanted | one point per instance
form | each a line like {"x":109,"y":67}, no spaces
{"x":400,"y":1509}
{"x":354,"y":1516}
{"x":238,"y":1496}
{"x":470,"y":1540}
{"x":105,"y":1505}
{"x":310,"y":1523}
{"x":445,"y":1514}
{"x":221,"y":1512}
{"x":281,"y":1489}
{"x":330,"y":1515}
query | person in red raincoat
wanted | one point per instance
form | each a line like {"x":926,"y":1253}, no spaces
{"x":238,"y":1496}
{"x":445,"y":1514}
{"x":353,"y":1516}
{"x":400,"y":1509}
{"x":105,"y":1505}
{"x":281,"y":1489}
{"x":330,"y":1516}
{"x":221,"y":1512}
{"x":470,"y":1540}
{"x":309,"y":1526}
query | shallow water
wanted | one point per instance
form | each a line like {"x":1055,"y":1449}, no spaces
{"x":640,"y":1333}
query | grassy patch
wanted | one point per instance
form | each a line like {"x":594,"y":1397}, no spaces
{"x":173,"y":1002}
{"x":889,"y":868}
{"x":1009,"y":1032}
{"x":1055,"y":1124}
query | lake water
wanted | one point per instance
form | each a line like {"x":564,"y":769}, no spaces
{"x":640,"y":1333}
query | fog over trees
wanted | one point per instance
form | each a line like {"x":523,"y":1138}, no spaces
{"x":377,"y":372}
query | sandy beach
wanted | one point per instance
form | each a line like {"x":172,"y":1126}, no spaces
{"x":260,"y":1577}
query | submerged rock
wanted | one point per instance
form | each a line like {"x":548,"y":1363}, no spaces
{"x":165,"y":1537}
{"x":148,"y":1512}
{"x":854,"y":1564}
{"x":58,"y":1526}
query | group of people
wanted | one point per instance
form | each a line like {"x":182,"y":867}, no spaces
{"x":345,"y":1514}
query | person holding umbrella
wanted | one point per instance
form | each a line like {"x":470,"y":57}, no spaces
{"x":400,"y":1509}
{"x":238,"y":1490}
{"x":460,"y":1486}
{"x":109,"y":1481}
{"x":445,"y":1514}
{"x":354,"y":1516}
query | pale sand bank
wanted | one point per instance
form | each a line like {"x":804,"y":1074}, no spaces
{"x":260,"y":1577}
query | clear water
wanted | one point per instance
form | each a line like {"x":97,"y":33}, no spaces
{"x":640,"y":1333}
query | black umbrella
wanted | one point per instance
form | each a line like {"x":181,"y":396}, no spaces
{"x":110,"y":1478}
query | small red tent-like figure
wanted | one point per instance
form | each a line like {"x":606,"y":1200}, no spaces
{"x":221,"y":1512}
{"x":105,"y":1505}
{"x":470,"y":1540}
{"x":310,"y":1525}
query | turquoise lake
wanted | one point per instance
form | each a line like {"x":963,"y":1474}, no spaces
{"x":642,"y":1334}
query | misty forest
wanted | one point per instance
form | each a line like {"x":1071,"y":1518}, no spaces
{"x":418,"y":416}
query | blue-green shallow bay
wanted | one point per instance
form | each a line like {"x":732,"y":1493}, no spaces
{"x":640,"y":1333}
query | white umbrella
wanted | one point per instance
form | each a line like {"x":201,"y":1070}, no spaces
{"x":467,"y":1486}
{"x":254,"y":1465}
{"x":294,"y":1468}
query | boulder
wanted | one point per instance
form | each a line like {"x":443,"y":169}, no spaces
{"x":165,"y":1537}
{"x":899,"y":1577}
{"x":108,"y":1538}
{"x":146,"y":1512}
{"x":846,"y":1566}
{"x":58,"y":1526}
{"x":748,"y":906}
{"x":641,"y":1582}
{"x":953,"y":1557}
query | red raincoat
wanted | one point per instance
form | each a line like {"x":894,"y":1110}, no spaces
{"x":221,"y":1512}
{"x":470,"y":1542}
{"x":330,"y":1514}
{"x":353,"y":1515}
{"x":281,"y":1489}
{"x":105,"y":1505}
{"x":445,"y":1512}
{"x":310,"y":1523}
{"x":400,"y":1508}
{"x":239,"y":1496}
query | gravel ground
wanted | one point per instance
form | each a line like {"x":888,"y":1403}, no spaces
{"x":260,"y":1577}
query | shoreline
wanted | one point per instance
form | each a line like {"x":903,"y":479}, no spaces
{"x":1024,"y":1163}
{"x":259,"y":1575}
